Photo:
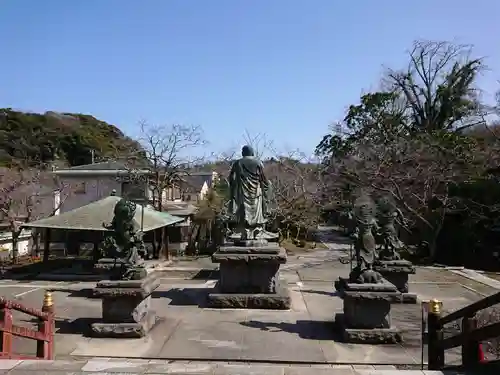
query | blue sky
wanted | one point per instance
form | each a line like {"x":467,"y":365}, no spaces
{"x":286,"y":68}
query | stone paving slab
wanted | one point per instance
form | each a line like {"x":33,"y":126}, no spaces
{"x":138,"y":366}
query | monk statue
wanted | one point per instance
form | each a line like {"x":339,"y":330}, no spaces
{"x":250,"y":197}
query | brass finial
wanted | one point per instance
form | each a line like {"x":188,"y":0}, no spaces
{"x":47,"y":300}
{"x":435,"y":306}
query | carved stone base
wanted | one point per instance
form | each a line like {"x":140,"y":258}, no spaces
{"x":249,"y":278}
{"x":367,"y":313}
{"x":372,"y":336}
{"x":125,"y":330}
{"x":114,"y":269}
{"x":396,"y":272}
{"x":126,"y":307}
{"x":109,"y":268}
{"x":340,"y":285}
{"x":409,"y":298}
{"x":277,"y":301}
{"x":249,"y":269}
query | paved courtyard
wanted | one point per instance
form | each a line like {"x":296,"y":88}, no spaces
{"x":187,"y":331}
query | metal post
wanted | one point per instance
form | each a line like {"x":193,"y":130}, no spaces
{"x":45,"y":349}
{"x":435,"y":348}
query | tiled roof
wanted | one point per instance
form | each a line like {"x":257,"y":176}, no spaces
{"x":106,"y":165}
{"x":93,"y":215}
{"x":179,"y":208}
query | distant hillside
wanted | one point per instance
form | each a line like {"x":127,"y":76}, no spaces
{"x":68,"y":138}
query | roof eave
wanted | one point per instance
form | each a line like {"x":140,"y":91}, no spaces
{"x":90,"y":172}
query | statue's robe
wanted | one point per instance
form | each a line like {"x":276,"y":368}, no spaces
{"x":366,"y":246}
{"x":249,"y":192}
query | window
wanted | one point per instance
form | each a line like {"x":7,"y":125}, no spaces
{"x":81,"y":188}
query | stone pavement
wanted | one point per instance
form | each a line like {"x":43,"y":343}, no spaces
{"x":122,"y":366}
{"x":303,"y":335}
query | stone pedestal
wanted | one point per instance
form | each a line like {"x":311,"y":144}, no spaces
{"x":126,"y":308}
{"x":109,"y":268}
{"x":249,"y":278}
{"x":367,"y":314}
{"x":397,"y":272}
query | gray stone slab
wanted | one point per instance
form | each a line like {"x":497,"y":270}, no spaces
{"x":268,"y":249}
{"x":112,"y":288}
{"x":395,"y":263}
{"x":410,"y":298}
{"x":276,"y":340}
{"x":126,"y":330}
{"x":250,"y":369}
{"x":56,"y":365}
{"x":382,"y":287}
{"x":122,"y":366}
{"x":374,"y":336}
{"x":279,"y":257}
{"x":274,"y":301}
{"x":210,"y":340}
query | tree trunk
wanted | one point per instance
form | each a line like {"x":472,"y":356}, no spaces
{"x":46,"y":246}
{"x":15,"y":241}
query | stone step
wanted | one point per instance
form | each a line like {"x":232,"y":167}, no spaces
{"x":139,"y":366}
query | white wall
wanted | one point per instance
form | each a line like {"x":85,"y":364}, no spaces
{"x":203,"y":191}
{"x":24,"y":243}
{"x":96,"y":188}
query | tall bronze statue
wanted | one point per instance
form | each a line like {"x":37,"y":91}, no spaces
{"x":387,"y":214}
{"x":125,"y":242}
{"x":251,"y":194}
{"x":364,"y":241}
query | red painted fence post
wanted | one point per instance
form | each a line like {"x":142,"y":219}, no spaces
{"x":45,"y":349}
{"x":5,"y":334}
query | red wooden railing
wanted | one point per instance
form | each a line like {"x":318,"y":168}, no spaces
{"x":44,"y":336}
{"x":469,"y":339}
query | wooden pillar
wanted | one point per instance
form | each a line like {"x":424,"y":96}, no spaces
{"x":161,"y":241}
{"x":167,"y":252}
{"x":46,"y":245}
{"x":471,"y":349}
{"x":95,"y":252}
{"x":155,"y":245}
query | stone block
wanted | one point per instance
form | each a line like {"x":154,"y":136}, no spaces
{"x":396,"y":272}
{"x":367,"y":313}
{"x":126,"y":307}
{"x":113,"y":268}
{"x":268,"y":249}
{"x":249,"y":278}
{"x":368,"y":310}
{"x":247,"y":270}
{"x":280,"y":300}
{"x":371,"y":336}
{"x":409,"y":298}
{"x":126,"y":330}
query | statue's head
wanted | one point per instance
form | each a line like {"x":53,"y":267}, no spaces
{"x":247,"y":151}
{"x":124,"y":210}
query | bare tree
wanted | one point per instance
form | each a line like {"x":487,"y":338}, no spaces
{"x":168,"y":156}
{"x":26,"y":195}
{"x":439,"y":87}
